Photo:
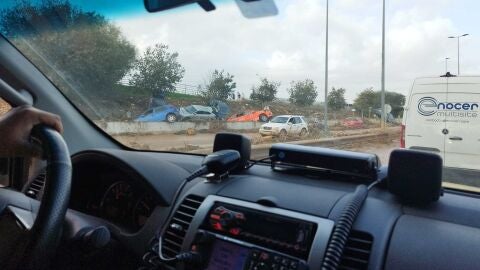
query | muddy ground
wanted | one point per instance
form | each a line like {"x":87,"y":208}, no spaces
{"x":381,"y":145}
{"x":186,"y":143}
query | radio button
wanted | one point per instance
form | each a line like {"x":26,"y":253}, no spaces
{"x":251,"y":265}
{"x":285,"y":261}
{"x":220,"y":210}
{"x":234,"y":231}
{"x":255,"y":254}
{"x":261,"y":266}
{"x":264,"y":256}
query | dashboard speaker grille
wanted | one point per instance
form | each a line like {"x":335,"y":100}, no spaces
{"x":357,"y":251}
{"x":178,"y":226}
{"x":35,"y":188}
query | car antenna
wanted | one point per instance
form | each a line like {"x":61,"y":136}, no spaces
{"x":448,"y":74}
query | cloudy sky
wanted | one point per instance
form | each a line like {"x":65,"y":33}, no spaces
{"x":291,"y":46}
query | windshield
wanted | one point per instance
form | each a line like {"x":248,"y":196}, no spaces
{"x":116,"y":62}
{"x":280,"y":119}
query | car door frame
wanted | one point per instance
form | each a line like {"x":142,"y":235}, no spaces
{"x":291,"y":127}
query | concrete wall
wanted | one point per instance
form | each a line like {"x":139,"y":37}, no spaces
{"x":243,"y":125}
{"x":119,"y":128}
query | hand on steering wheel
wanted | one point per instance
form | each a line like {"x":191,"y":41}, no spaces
{"x":16,"y":125}
{"x":34,"y":248}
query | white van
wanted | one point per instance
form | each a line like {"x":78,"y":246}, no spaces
{"x":442,"y":115}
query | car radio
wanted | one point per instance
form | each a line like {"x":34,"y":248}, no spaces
{"x":232,"y":255}
{"x":243,"y":238}
{"x":291,"y":236}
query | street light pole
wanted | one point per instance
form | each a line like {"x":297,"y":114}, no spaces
{"x":382,"y":95}
{"x":458,"y":56}
{"x":458,"y":51}
{"x":446,"y":64}
{"x":325,"y":117}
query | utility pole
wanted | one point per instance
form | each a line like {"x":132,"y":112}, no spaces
{"x":458,"y":51}
{"x":382,"y":99}
{"x":446,"y":64}
{"x":458,"y":56}
{"x":325,"y":117}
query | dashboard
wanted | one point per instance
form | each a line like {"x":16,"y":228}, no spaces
{"x":263,"y":219}
{"x":121,"y":202}
{"x":112,"y":192}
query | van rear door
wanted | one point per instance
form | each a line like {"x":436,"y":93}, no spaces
{"x":424,"y":127}
{"x":462,"y":118}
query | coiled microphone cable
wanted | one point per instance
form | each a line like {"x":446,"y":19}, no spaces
{"x":342,"y":229}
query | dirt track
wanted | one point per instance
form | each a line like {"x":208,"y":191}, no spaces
{"x":382,"y":149}
{"x":183,"y":142}
{"x":381,"y":145}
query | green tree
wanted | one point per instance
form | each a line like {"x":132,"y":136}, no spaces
{"x":157,"y":70}
{"x":366,"y":99}
{"x":336,"y":99}
{"x":396,"y":100}
{"x":76,"y":49}
{"x":265,"y":92}
{"x":369,"y":98}
{"x":219,"y":86}
{"x":303,"y":93}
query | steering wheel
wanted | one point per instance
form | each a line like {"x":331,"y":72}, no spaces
{"x":29,"y":242}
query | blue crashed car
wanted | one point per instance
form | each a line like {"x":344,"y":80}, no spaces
{"x":167,"y":113}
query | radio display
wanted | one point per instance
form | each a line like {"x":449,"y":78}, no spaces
{"x":280,"y":233}
{"x":226,"y":255}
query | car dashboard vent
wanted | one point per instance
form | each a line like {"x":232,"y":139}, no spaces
{"x":35,"y":188}
{"x":357,"y":251}
{"x":177,"y":228}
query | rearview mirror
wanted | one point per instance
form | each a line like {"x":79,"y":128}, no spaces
{"x":249,"y":8}
{"x":160,"y":5}
{"x":289,"y":123}
{"x":257,"y":8}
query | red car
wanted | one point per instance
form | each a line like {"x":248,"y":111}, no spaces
{"x":262,"y":116}
{"x":353,"y":122}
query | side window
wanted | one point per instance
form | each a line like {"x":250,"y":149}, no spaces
{"x":148,"y":112}
{"x":297,"y":120}
{"x":292,"y":120}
